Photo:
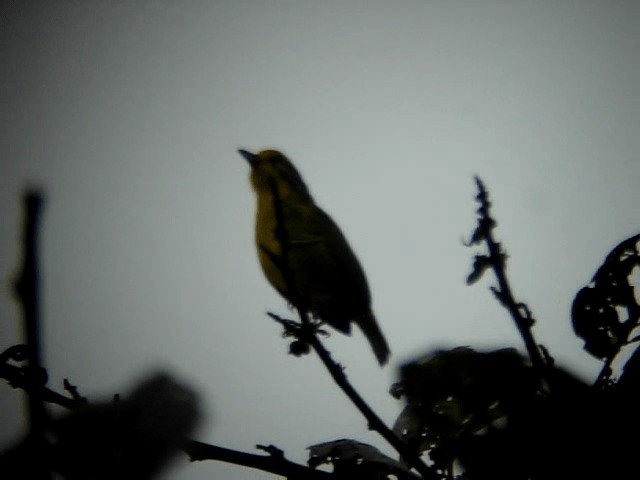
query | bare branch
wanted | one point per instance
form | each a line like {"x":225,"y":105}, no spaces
{"x":278,"y":465}
{"x":27,"y":291}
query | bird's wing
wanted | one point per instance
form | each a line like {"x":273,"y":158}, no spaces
{"x":328,"y":274}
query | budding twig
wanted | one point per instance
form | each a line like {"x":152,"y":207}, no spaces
{"x":496,"y":260}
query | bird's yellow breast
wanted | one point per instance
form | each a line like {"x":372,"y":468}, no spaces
{"x":267,"y":242}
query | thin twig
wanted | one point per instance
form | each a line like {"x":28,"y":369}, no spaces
{"x":73,"y":391}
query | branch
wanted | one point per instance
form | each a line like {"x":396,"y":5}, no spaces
{"x":496,"y":260}
{"x":18,"y":378}
{"x":27,"y":292}
{"x":375,"y":423}
{"x":308,"y":333}
{"x":278,"y":465}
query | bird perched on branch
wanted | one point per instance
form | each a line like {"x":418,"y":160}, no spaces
{"x":303,"y":253}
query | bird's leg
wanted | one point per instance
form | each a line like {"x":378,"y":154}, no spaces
{"x":316,"y":322}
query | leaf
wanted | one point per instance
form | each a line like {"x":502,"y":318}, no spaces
{"x":596,"y":321}
{"x":480,"y":264}
{"x":357,"y":459}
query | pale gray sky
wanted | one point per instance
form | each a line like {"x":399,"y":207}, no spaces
{"x":129,"y":115}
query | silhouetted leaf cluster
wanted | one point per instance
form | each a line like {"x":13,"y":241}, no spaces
{"x":454,"y":396}
{"x":596,"y":314}
{"x":488,"y":412}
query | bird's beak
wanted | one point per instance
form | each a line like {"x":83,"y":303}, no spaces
{"x":249,"y":157}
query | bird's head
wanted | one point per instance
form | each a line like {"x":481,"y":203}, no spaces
{"x":271,"y":169}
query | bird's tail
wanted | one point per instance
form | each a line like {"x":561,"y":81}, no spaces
{"x":369,"y":327}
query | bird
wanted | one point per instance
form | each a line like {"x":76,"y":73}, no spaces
{"x":303,"y":253}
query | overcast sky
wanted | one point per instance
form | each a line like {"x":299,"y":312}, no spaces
{"x":129,"y":114}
